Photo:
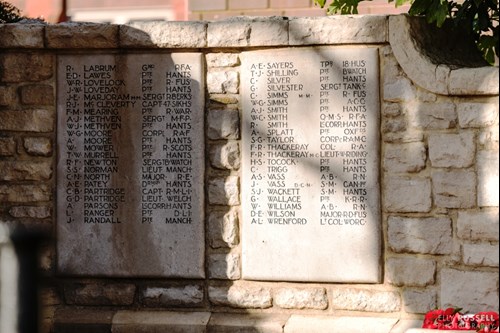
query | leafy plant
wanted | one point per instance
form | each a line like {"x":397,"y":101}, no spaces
{"x":479,"y":17}
{"x":9,"y":13}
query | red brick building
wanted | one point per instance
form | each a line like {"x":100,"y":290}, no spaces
{"x":125,"y":11}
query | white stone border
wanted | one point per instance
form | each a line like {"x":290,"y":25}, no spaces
{"x":439,"y":79}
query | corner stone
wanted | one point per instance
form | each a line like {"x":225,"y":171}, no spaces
{"x":408,"y":194}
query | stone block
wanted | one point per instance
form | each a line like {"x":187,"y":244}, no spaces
{"x":394,"y":125}
{"x":408,"y":194}
{"x":474,"y":81}
{"x":338,"y":29}
{"x":22,"y":36}
{"x":25,"y":170}
{"x":25,"y":193}
{"x":160,"y":321}
{"x":26,"y":67}
{"x":99,"y":294}
{"x":228,"y":33}
{"x":454,"y":188}
{"x":357,"y":299}
{"x":222,"y":81}
{"x":7,"y":96}
{"x":487,"y":165}
{"x":224,"y":266}
{"x":38,"y":120}
{"x":399,"y":90}
{"x":433,"y":115}
{"x":405,"y":157}
{"x":7,"y":146}
{"x":301,"y":298}
{"x":489,"y":138}
{"x":223,"y":229}
{"x":225,"y":156}
{"x":77,"y":320}
{"x":402,"y":271}
{"x":480,"y":255}
{"x":37,"y":94}
{"x":246,"y":323}
{"x":241,"y":295}
{"x":432,"y":235}
{"x":223,"y":124}
{"x":172,"y":34}
{"x":322,"y":324}
{"x":36,"y":212}
{"x":447,"y":150}
{"x":478,"y":290}
{"x":81,"y":35}
{"x":271,"y":31}
{"x":419,"y":301}
{"x":38,"y":146}
{"x":172,"y":296}
{"x":222,"y":59}
{"x":224,"y":191}
{"x":477,"y":115}
{"x":478,"y":225}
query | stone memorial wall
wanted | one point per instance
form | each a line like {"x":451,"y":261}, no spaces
{"x":273,"y":174}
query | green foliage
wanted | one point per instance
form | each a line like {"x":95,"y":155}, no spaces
{"x":480,"y":17}
{"x":9,"y":13}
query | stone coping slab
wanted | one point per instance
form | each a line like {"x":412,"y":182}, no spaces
{"x":76,"y":320}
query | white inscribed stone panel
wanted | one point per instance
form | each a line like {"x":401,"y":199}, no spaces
{"x":310,"y":165}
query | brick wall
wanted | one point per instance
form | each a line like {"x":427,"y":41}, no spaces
{"x":439,"y":180}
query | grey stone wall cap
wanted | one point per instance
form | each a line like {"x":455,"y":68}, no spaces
{"x":22,"y":35}
{"x":445,"y":79}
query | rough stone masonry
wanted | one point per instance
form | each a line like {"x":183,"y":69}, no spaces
{"x":438,"y":161}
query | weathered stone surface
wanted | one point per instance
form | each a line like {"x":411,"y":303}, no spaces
{"x":480,"y":255}
{"x":38,"y":212}
{"x":478,"y":290}
{"x":70,"y":320}
{"x":224,"y":191}
{"x":160,"y":321}
{"x":231,"y":323}
{"x":338,"y":29}
{"x":402,"y":271}
{"x":408,"y":194}
{"x":454,"y":188}
{"x":478,"y":225}
{"x":394,"y":125}
{"x":223,"y":124}
{"x":223,"y":230}
{"x":189,"y":295}
{"x":433,"y":115}
{"x":37,"y":94}
{"x":399,"y":90}
{"x":487,"y":162}
{"x":38,"y":120}
{"x":451,"y":150}
{"x":407,"y":157}
{"x":241,"y":296}
{"x":24,"y":193}
{"x":246,"y":31}
{"x":431,"y":235}
{"x":81,"y":35}
{"x":38,"y":146}
{"x":163,"y":34}
{"x":25,"y":170}
{"x":322,"y":324}
{"x":474,"y":81}
{"x":21,"y":35}
{"x":419,"y":301}
{"x":7,"y":96}
{"x":226,"y":156}
{"x":222,"y":59}
{"x":301,"y":298}
{"x":222,"y":81}
{"x":26,"y":67}
{"x":7,"y":146}
{"x":100,"y":294}
{"x":224,"y":266}
{"x":489,"y":138}
{"x":355,"y":299}
{"x":477,"y":114}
